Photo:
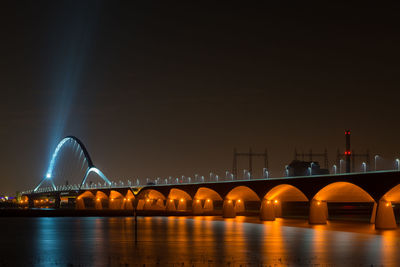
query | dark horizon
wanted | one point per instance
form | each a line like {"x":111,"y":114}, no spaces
{"x":169,"y":90}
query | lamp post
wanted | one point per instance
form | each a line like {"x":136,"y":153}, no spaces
{"x":265,"y":172}
{"x":334,"y":167}
{"x":340,"y":165}
{"x":311,"y":165}
{"x":364,"y":166}
{"x":375,"y":159}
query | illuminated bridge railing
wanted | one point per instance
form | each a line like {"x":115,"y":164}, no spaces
{"x":169,"y":182}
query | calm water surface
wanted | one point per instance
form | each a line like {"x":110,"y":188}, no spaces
{"x":201,"y":241}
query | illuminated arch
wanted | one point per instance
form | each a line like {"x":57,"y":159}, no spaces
{"x":101,"y":195}
{"x":343,"y":192}
{"x":129,"y":195}
{"x":86,"y":194}
{"x":116,"y":200}
{"x":80,"y":203}
{"x":91,"y":167}
{"x":242,"y":192}
{"x":98,"y":172}
{"x":207,"y":193}
{"x":393,"y":195}
{"x":285,"y":192}
{"x":150,"y":194}
{"x":178,"y":194}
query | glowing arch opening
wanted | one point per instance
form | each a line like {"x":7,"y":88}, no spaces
{"x":243,"y":193}
{"x":393,"y":195}
{"x":150,"y":194}
{"x":178,"y":194}
{"x":343,"y":192}
{"x":207,"y":193}
{"x":285,"y":192}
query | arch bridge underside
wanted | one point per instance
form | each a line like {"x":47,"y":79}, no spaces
{"x":268,"y":198}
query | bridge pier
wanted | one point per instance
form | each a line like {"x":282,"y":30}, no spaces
{"x":31,"y":203}
{"x":373,"y":215}
{"x":239,"y":206}
{"x":147,"y":204}
{"x":98,"y":205}
{"x":79,"y":203}
{"x":170,"y":205}
{"x":208,"y":205}
{"x":318,"y":212}
{"x":160,"y":204}
{"x":182,"y":205}
{"x":57,"y":202}
{"x":196,"y":207}
{"x":267,"y":211}
{"x":116,"y":203}
{"x":278,"y":209}
{"x":228,"y":209}
{"x":385,"y":216}
{"x":140,"y":204}
{"x":128,"y":204}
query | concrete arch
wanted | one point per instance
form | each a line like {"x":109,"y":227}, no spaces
{"x":385,"y":218}
{"x":337,"y":192}
{"x":86,"y":194}
{"x":236,"y":198}
{"x":204,"y":200}
{"x":393,"y":195}
{"x":150,"y":199}
{"x":116,"y":200}
{"x":128,"y":200}
{"x":243,"y":193}
{"x":207,"y":193}
{"x":179,"y":196}
{"x":343,"y":192}
{"x":150,"y":194}
{"x":271,"y":205}
{"x":80,"y":200}
{"x":101,"y":199}
{"x":285,"y":192}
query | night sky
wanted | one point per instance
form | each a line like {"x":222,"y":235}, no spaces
{"x":170,"y":89}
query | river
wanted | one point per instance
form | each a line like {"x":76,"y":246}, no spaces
{"x":192,"y":241}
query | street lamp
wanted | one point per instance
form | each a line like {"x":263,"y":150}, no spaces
{"x":334,"y":167}
{"x":311,"y":165}
{"x":364,"y":166}
{"x":375,"y":158}
{"x":265,"y":172}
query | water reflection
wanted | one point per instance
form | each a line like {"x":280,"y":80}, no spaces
{"x":199,"y":241}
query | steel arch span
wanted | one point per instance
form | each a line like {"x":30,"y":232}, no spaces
{"x":91,"y":167}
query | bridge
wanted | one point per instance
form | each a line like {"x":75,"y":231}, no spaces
{"x":267,"y":197}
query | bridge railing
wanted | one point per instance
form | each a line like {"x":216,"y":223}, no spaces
{"x":169,"y":182}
